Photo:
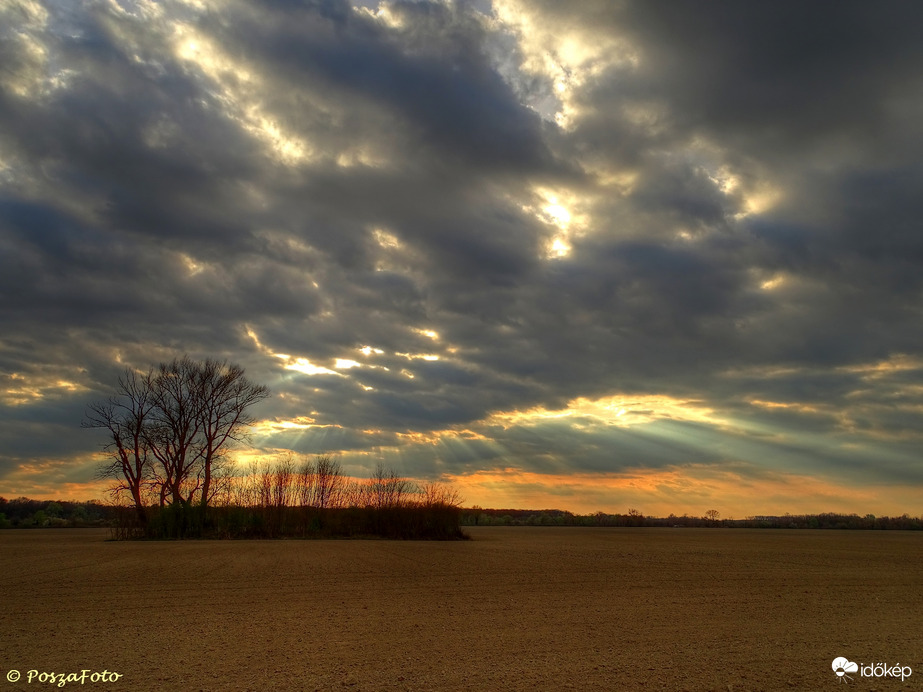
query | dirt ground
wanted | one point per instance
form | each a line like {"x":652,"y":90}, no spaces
{"x":513,"y":609}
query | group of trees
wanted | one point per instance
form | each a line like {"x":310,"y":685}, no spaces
{"x":168,"y":433}
{"x":320,"y":483}
{"x":301,"y":497}
{"x":169,"y":429}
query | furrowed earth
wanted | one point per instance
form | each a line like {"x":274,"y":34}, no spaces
{"x":516,"y":608}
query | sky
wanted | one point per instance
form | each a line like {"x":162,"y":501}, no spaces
{"x":593,"y":256}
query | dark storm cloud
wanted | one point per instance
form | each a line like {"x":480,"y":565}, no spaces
{"x":773,"y":80}
{"x":269,"y":182}
{"x":431,"y":71}
{"x":816,"y":99}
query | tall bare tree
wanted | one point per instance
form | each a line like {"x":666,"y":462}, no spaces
{"x":173,"y":425}
{"x":225,"y":396}
{"x":124,"y":416}
{"x":173,"y":429}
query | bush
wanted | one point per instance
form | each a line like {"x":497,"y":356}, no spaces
{"x":312,"y":500}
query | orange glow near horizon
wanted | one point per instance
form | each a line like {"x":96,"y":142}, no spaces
{"x":42,"y":481}
{"x":688,"y":490}
{"x":678,"y":491}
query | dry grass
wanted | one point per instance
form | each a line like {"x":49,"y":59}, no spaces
{"x":515,"y":608}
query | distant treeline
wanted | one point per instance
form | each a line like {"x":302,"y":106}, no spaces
{"x":477,"y":516}
{"x":267,"y":506}
{"x":23,"y":513}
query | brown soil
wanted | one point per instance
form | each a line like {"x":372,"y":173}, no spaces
{"x":513,"y":609}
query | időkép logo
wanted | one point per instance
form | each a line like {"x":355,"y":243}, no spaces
{"x":843,"y":667}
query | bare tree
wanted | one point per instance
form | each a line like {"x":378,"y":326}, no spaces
{"x":283,"y":481}
{"x":171,"y":427}
{"x":124,"y":417}
{"x":221,"y":488}
{"x":225,"y":395}
{"x":174,"y":427}
{"x":328,"y":482}
{"x":436,"y":494}
{"x":304,"y":483}
{"x":242,"y":489}
{"x":263,"y":483}
{"x":355,"y":494}
{"x":387,"y":489}
{"x":199,"y":409}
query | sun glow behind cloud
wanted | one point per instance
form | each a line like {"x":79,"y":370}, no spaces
{"x":239,"y":89}
{"x":561,"y":211}
{"x":564,"y":56}
{"x":618,"y":410}
{"x":304,"y":366}
{"x":21,"y":390}
{"x":275,"y":426}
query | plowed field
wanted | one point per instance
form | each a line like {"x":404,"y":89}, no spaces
{"x":512,"y":609}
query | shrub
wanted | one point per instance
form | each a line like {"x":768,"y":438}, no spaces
{"x":311,"y":500}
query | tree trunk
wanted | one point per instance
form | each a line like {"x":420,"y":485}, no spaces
{"x":139,"y":505}
{"x":206,"y":483}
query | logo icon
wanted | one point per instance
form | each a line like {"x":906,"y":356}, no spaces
{"x":842,"y":666}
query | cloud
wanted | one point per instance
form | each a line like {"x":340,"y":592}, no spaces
{"x":411,"y":219}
